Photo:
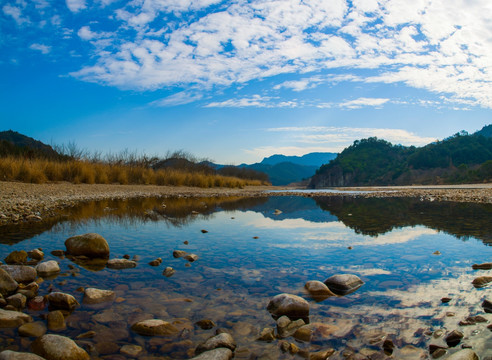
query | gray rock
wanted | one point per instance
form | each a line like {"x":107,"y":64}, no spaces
{"x":293,"y":306}
{"x":59,"y":300}
{"x":32,"y":329}
{"x":13,"y":319}
{"x":21,"y":273}
{"x":154,"y":327}
{"x":216,"y":354}
{"x":7,"y":283}
{"x":48,"y":268}
{"x":121,"y":264}
{"x":56,"y":347}
{"x":465,"y":354}
{"x":91,"y":245}
{"x":343,"y":284}
{"x":13,"y":355}
{"x":97,"y":296}
{"x":223,"y":340}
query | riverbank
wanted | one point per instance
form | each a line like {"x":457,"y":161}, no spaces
{"x":20,"y":202}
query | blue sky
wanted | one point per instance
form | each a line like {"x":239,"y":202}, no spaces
{"x":234,"y":81}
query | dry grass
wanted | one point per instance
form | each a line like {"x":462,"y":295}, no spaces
{"x":41,"y":171}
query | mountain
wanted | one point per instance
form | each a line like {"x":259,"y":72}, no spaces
{"x":461,"y":158}
{"x":312,"y":159}
{"x":14,"y":143}
{"x":284,"y":173}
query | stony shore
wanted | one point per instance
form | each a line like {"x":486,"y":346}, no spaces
{"x":20,"y":202}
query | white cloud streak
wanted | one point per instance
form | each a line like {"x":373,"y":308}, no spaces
{"x":76,"y":5}
{"x":40,"y":47}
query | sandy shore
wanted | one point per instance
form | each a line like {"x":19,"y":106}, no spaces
{"x":32,"y":202}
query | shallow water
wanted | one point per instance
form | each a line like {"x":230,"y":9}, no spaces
{"x":249,"y":254}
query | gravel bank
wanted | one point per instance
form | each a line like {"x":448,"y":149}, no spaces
{"x":32,"y":202}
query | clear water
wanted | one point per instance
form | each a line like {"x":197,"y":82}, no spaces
{"x":249,"y":254}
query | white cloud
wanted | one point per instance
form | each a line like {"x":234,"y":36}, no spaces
{"x":76,"y":5}
{"x":361,"y":102}
{"x":40,"y":47}
{"x":254,"y":101}
{"x":16,"y":13}
{"x":179,"y":98}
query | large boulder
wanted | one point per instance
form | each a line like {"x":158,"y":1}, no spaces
{"x":21,"y":273}
{"x":56,"y":347}
{"x":14,"y":355}
{"x":13,"y":319}
{"x":97,"y":296}
{"x":91,"y":245}
{"x":343,"y":284}
{"x":154,"y":327}
{"x":293,"y":306}
{"x":7,"y":283}
{"x":48,"y":268}
{"x":59,"y":300}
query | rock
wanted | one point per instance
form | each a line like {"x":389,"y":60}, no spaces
{"x":487,"y":306}
{"x":216,"y":354}
{"x":453,"y":338}
{"x":318,"y":290}
{"x":18,"y":301}
{"x":466,"y":354}
{"x":445,"y":300}
{"x":16,"y":258}
{"x":168,"y":272}
{"x":293,"y":306}
{"x":223,"y":340}
{"x":37,"y":303}
{"x":343,"y":284}
{"x":154,"y":327}
{"x":481,"y":281}
{"x":321,"y":355}
{"x":36,"y":254}
{"x":58,"y":253}
{"x":56,"y":321}
{"x":107,"y":347}
{"x":388,"y":347}
{"x":56,"y":347}
{"x":156,"y":262}
{"x":472,"y":320}
{"x":287,"y":327}
{"x":267,"y":334}
{"x":277,"y":212}
{"x":121,"y":264}
{"x":304,"y":333}
{"x":21,"y":273}
{"x":191,"y":257}
{"x":204,"y":231}
{"x":48,"y":268}
{"x":91,"y":245}
{"x":131,"y":350}
{"x":179,"y":253}
{"x":7,"y":284}
{"x":205,"y":324}
{"x":97,"y":296}
{"x":484,"y":266}
{"x":32,"y":329}
{"x":437,"y":252}
{"x":13,"y":355}
{"x":13,"y":319}
{"x":59,"y":300}
{"x":87,"y":335}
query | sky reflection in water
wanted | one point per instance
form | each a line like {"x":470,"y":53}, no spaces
{"x":392,"y":249}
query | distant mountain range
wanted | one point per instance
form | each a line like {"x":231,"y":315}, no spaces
{"x":461,"y":158}
{"x":14,"y":143}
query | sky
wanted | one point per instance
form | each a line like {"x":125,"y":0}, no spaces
{"x":236,"y":81}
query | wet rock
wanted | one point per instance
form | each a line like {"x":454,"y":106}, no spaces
{"x":191,"y":257}
{"x":466,"y":354}
{"x":445,"y":300}
{"x":216,"y":354}
{"x":484,"y":266}
{"x":223,"y":340}
{"x":154,"y":327}
{"x":48,"y":268}
{"x":18,"y":301}
{"x":179,"y":253}
{"x":87,"y":335}
{"x":37,"y":303}
{"x":56,"y":347}
{"x":388,"y":347}
{"x":204,"y":231}
{"x":343,"y":284}
{"x":7,"y":284}
{"x":36,"y":254}
{"x":205,"y":324}
{"x":304,"y":333}
{"x":58,"y":253}
{"x":32,"y":329}
{"x":453,"y":338}
{"x":321,"y":355}
{"x":13,"y":355}
{"x":156,"y":262}
{"x":437,"y":252}
{"x":287,"y":327}
{"x":318,"y":290}
{"x":59,"y":300}
{"x":277,"y":212}
{"x":107,"y":347}
{"x":91,"y":245}
{"x":21,"y":273}
{"x":13,"y":319}
{"x":56,"y":321}
{"x":472,"y":320}
{"x":293,"y":306}
{"x":267,"y":334}
{"x":121,"y":264}
{"x":481,"y":281}
{"x":131,"y":350}
{"x":97,"y":296}
{"x":16,"y":258}
{"x":168,"y":272}
{"x":487,"y":306}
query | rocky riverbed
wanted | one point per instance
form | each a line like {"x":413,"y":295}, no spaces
{"x":21,"y":202}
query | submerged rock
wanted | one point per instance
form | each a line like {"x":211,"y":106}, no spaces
{"x":14,"y":355}
{"x":56,"y":321}
{"x":154,"y":327}
{"x":223,"y":340}
{"x":293,"y":306}
{"x":465,"y":354}
{"x":97,"y":296}
{"x":267,"y":334}
{"x":205,"y":324}
{"x":343,"y":284}
{"x":21,"y":273}
{"x":91,"y":245}
{"x":121,"y":264}
{"x":36,"y":254}
{"x":48,"y":268}
{"x":59,"y":300}
{"x":18,"y":301}
{"x":56,"y":347}
{"x":13,"y":319}
{"x":216,"y":354}
{"x":33,"y":329}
